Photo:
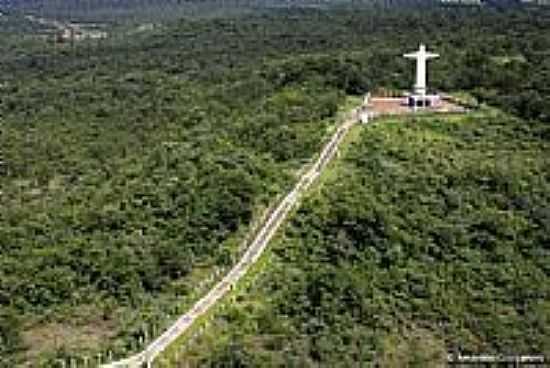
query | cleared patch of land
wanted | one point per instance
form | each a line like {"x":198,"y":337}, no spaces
{"x":381,"y":106}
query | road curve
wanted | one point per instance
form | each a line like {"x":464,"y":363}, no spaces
{"x":250,"y":256}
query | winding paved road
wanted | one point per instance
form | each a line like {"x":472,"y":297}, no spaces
{"x":250,"y":256}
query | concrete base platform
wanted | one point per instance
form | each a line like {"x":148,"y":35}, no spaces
{"x":384,"y":106}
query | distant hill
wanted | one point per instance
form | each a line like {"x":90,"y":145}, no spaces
{"x":107,"y":10}
{"x":120,"y":9}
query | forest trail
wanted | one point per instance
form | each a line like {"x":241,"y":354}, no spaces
{"x":258,"y":244}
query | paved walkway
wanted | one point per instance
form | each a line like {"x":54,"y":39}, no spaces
{"x":250,"y":256}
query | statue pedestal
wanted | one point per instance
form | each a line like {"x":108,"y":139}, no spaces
{"x":423,"y":101}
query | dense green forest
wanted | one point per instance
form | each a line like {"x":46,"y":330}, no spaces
{"x":430,"y":234}
{"x":133,"y":167}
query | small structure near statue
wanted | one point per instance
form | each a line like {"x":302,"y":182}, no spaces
{"x":364,"y":113}
{"x":418,"y":99}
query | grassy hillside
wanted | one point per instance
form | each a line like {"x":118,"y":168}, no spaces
{"x":429,"y":234}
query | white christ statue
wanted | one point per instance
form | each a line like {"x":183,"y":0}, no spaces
{"x":421,"y":56}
